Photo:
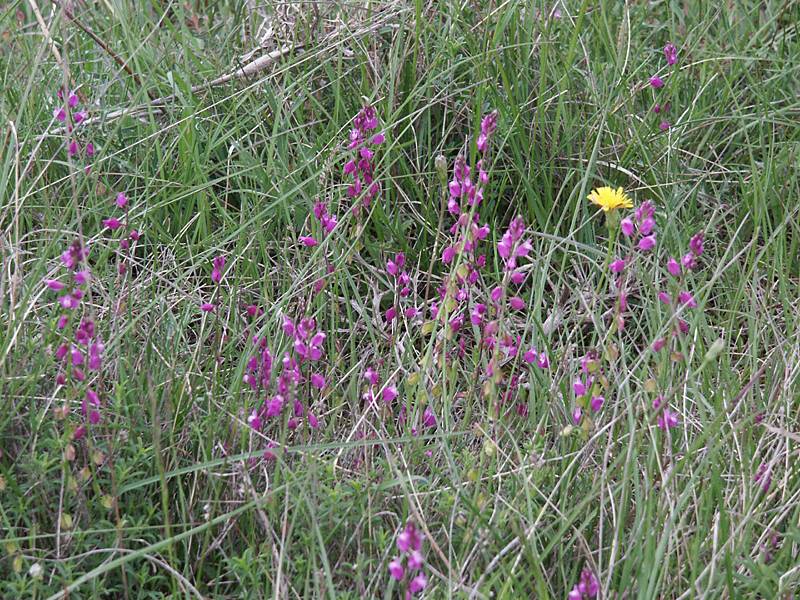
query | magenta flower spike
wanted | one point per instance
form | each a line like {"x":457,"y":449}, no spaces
{"x":617,"y":266}
{"x":516,"y":303}
{"x":207,"y":307}
{"x":656,"y":82}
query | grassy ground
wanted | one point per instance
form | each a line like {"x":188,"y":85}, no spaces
{"x":170,"y":493}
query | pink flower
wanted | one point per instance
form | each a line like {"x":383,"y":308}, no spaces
{"x":68,"y":302}
{"x":134,"y":235}
{"x":415,"y":560}
{"x":597,"y":402}
{"x":659,"y":344}
{"x":578,"y":387}
{"x":517,"y":277}
{"x":317,"y":380}
{"x":428,"y":418}
{"x":54,"y":284}
{"x":496,"y":294}
{"x":448,"y":254}
{"x":418,"y":583}
{"x":664,"y":125}
{"x":696,"y":244}
{"x":59,"y":113}
{"x":577,"y":413}
{"x":62,"y":322}
{"x":90,"y":150}
{"x":73,"y":148}
{"x":617,"y":266}
{"x":674,"y":267}
{"x":646,"y":226}
{"x":308,"y":241}
{"x":687,"y":299}
{"x":647,"y":243}
{"x":391,"y":313}
{"x":516,"y":303}
{"x":671,"y":53}
{"x":389,"y":394}
{"x":378,"y":139}
{"x":112,"y":223}
{"x":254,"y":421}
{"x":396,"y":569}
{"x":216,"y":273}
{"x":667,"y":419}
{"x":207,"y":306}
{"x":543,"y":362}
{"x":529,"y":356}
{"x":313,"y":422}
{"x":664,"y":297}
{"x":122,"y":200}
{"x":656,"y":82}
{"x":371,"y":375}
{"x":626,"y":225}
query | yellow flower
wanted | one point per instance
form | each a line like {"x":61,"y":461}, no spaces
{"x":610,"y":199}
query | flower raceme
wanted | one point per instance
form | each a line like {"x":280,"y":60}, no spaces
{"x":409,"y":543}
{"x":361,"y":168}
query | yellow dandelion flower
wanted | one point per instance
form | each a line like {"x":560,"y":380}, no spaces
{"x":610,"y":199}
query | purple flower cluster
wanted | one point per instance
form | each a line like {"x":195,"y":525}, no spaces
{"x":126,"y":243}
{"x":65,"y":113}
{"x":83,"y":355}
{"x":640,"y":230}
{"x":656,"y":82}
{"x":681,"y":297}
{"x":586,"y":387}
{"x":401,"y":287}
{"x":410,"y":562}
{"x":297,"y":369}
{"x":361,"y":168}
